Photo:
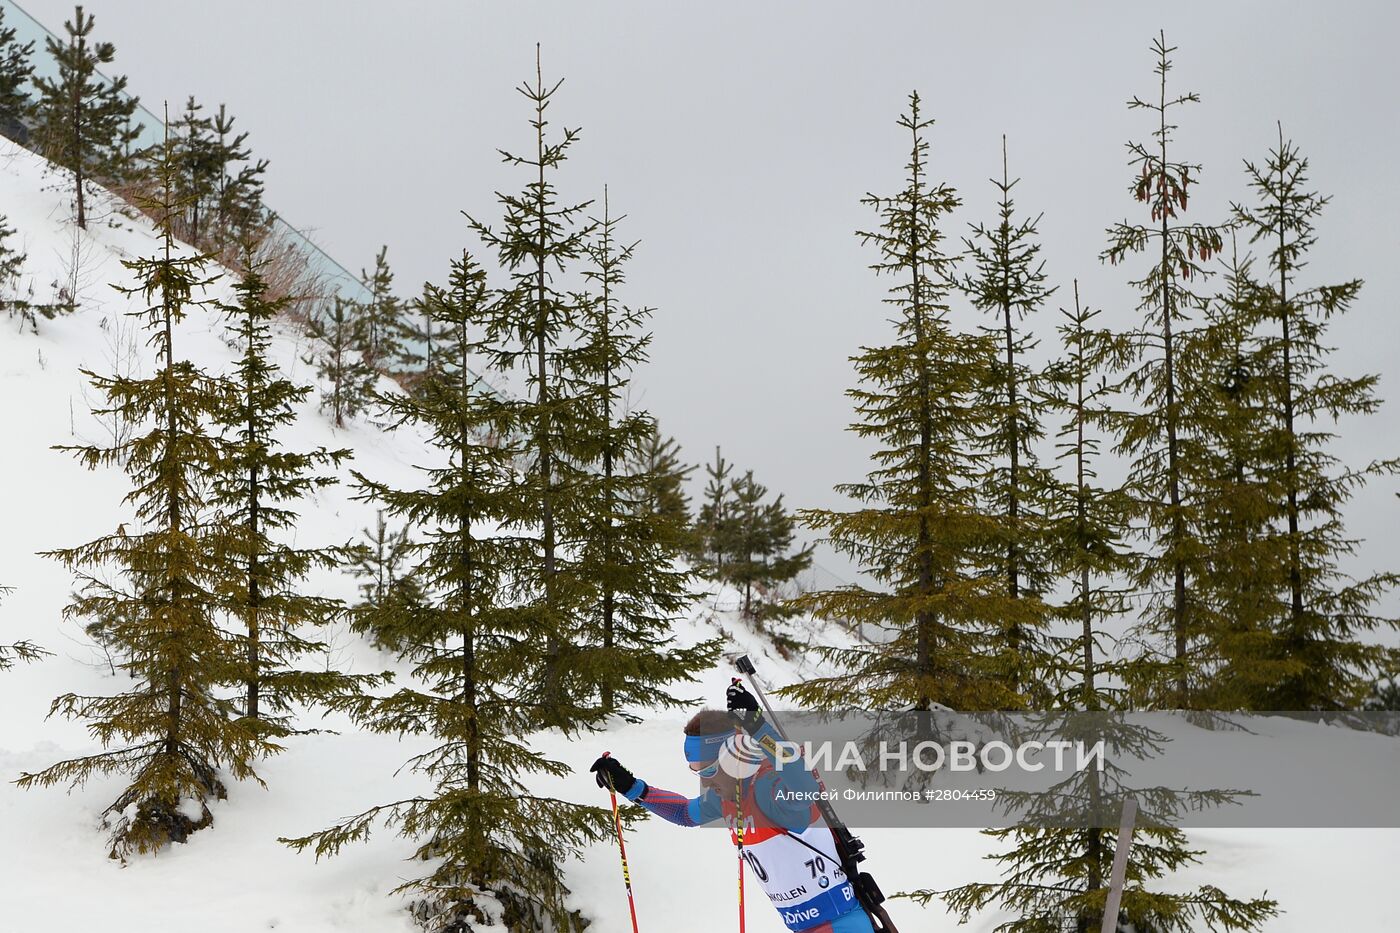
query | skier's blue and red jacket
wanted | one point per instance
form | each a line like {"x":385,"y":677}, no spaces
{"x":787,"y":844}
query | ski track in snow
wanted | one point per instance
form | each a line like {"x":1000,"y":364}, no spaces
{"x":235,"y":877}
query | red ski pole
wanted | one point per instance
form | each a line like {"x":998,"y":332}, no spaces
{"x":739,"y":834}
{"x":622,"y":848}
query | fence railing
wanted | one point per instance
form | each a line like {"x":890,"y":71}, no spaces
{"x":322,"y":267}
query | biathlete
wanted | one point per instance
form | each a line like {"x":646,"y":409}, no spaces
{"x":786,"y":843}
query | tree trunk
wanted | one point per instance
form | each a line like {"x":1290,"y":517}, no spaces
{"x":1178,"y":530}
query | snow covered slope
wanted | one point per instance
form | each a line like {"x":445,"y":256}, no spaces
{"x":235,"y":877}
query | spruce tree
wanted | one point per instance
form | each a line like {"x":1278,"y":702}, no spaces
{"x":1320,"y":659}
{"x":1385,"y":695}
{"x":625,"y":558}
{"x":714,"y":531}
{"x":1153,"y":436}
{"x":659,"y":459}
{"x":16,"y":106}
{"x":337,"y":338}
{"x":1055,"y":876}
{"x":199,"y":171}
{"x":542,"y":239}
{"x":1232,"y":493}
{"x":380,"y":560}
{"x":762,"y":557}
{"x":1088,"y":524}
{"x":12,"y":301}
{"x":417,"y":337}
{"x":84,"y":121}
{"x":237,"y":210}
{"x":20,"y":651}
{"x":496,"y":851}
{"x":919,"y":525}
{"x":1009,"y":284}
{"x":382,"y":315}
{"x":257,"y":487}
{"x":155,"y":590}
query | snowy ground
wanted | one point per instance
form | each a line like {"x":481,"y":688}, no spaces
{"x":54,"y":874}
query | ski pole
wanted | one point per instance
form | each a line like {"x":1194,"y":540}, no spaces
{"x":622,"y":848}
{"x":739,"y":835}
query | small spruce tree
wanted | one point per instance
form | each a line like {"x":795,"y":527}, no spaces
{"x":337,"y":338}
{"x":659,"y":459}
{"x":714,"y":525}
{"x":13,"y":300}
{"x":237,"y":211}
{"x":380,"y":561}
{"x":199,"y":170}
{"x":382,"y":315}
{"x":20,"y":651}
{"x":417,"y":337}
{"x":16,"y":106}
{"x":763,"y":558}
{"x":84,"y":121}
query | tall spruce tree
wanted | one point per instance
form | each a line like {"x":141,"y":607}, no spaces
{"x":1153,"y":436}
{"x":1321,"y":659}
{"x":16,"y":106}
{"x":174,"y":731}
{"x":1055,"y":876}
{"x":1232,"y":493}
{"x":1009,"y":284}
{"x":496,"y":850}
{"x":542,"y":239}
{"x":84,"y":120}
{"x":1087,"y":524}
{"x":626,"y":558}
{"x":337,"y":341}
{"x":920,"y":523}
{"x":257,"y":487}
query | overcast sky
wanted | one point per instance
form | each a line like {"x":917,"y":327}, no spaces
{"x":739,"y":139}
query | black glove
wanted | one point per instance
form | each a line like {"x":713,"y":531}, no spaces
{"x":736,"y":697}
{"x":608,"y":769}
{"x":742,"y":706}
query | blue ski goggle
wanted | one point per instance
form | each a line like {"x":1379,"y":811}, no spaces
{"x":709,"y":770}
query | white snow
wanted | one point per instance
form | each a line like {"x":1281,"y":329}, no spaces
{"x":54,"y":872}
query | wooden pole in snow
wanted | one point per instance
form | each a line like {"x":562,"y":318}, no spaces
{"x":1120,"y":866}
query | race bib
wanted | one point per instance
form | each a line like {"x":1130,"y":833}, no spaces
{"x":806,"y":885}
